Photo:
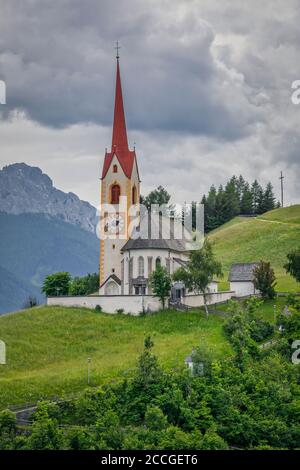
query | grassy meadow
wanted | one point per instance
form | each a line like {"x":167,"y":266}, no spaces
{"x":48,"y":347}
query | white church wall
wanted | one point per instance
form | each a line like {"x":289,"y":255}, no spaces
{"x":155,"y":253}
{"x":132,"y":304}
{"x":145,"y":253}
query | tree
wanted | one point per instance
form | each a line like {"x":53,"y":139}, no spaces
{"x":220,"y":213}
{"x":8,"y":429}
{"x":265,"y":279}
{"x":155,"y":419}
{"x":45,"y":433}
{"x":268,"y":202}
{"x":57,"y":284}
{"x":292,"y":267}
{"x":84,"y":285}
{"x":256,"y":192}
{"x":260,"y":209}
{"x":240,"y":187}
{"x":160,"y":281}
{"x":246,"y":200}
{"x":200,"y":269}
{"x":158,"y":196}
{"x":232,"y":203}
{"x":210,"y":208}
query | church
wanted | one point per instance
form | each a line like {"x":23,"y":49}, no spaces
{"x":133,"y":240}
{"x":127,"y":260}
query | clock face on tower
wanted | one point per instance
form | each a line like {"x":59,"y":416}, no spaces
{"x":114,"y":223}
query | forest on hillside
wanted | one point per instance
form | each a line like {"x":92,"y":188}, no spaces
{"x":237,"y":197}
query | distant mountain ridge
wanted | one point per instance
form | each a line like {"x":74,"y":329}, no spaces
{"x":35,"y":245}
{"x":42,"y":230}
{"x":26,"y":189}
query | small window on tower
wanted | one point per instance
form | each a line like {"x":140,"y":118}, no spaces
{"x":115,"y":169}
{"x":134,"y":195}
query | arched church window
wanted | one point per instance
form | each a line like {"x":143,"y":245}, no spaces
{"x":115,"y":194}
{"x":141,"y":265}
{"x":134,"y":195}
{"x":115,"y":169}
{"x":157,"y":262}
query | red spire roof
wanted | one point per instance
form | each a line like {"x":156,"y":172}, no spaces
{"x":119,"y":145}
{"x":119,"y":137}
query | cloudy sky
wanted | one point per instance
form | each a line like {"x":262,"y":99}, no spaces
{"x":206,"y":84}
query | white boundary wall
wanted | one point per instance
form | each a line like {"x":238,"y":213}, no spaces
{"x":197,"y":300}
{"x":131,"y":304}
{"x":134,"y":304}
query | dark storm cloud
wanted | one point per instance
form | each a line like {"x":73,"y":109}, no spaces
{"x":57,"y":59}
{"x":207,"y":88}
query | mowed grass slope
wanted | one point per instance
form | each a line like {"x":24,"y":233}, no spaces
{"x":48,"y":347}
{"x":269,"y":237}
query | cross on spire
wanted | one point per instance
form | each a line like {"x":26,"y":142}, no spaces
{"x":117,"y":47}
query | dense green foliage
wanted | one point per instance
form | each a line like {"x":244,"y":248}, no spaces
{"x":84,"y":285}
{"x":160,"y":282}
{"x":61,"y":283}
{"x":245,"y":328}
{"x":289,"y":323}
{"x":293,"y":264}
{"x":265,"y":279}
{"x":237,"y":197}
{"x":200,"y":270}
{"x":56,"y":284}
{"x":248,"y":401}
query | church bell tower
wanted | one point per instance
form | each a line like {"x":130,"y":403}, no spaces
{"x":120,"y":189}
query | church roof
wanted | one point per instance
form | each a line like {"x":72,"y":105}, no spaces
{"x":119,"y":144}
{"x":241,"y":272}
{"x":158,"y":244}
{"x":156,"y":233}
{"x":114,"y":278}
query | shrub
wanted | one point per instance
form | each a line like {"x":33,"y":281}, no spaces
{"x":120,"y":310}
{"x":265,"y":280}
{"x":98,"y":308}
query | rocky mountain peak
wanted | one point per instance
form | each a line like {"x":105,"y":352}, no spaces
{"x":24,"y":188}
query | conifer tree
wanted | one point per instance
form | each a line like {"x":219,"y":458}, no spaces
{"x":240,"y":186}
{"x":256,"y":191}
{"x":232,"y":205}
{"x":246,"y":201}
{"x":268,"y":199}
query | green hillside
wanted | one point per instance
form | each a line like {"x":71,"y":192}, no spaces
{"x":48,"y":347}
{"x":269,"y":237}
